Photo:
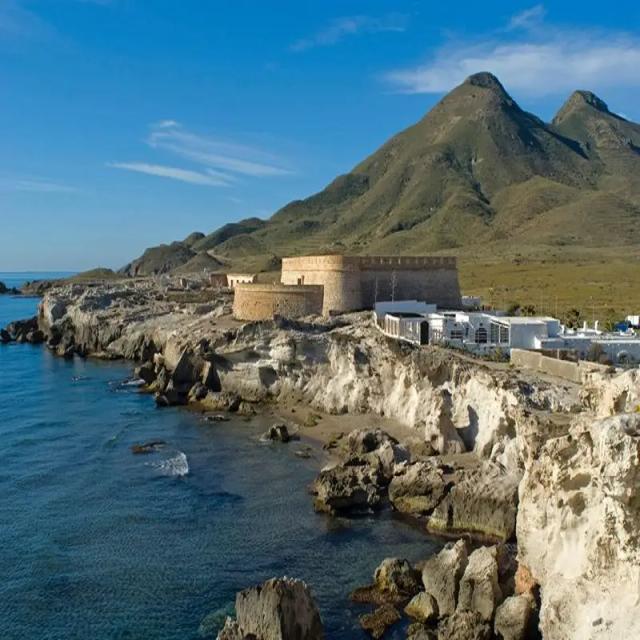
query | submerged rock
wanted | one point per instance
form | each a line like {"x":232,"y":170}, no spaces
{"x":279,"y":609}
{"x":377,"y":622}
{"x":395,"y":581}
{"x":279,"y":433}
{"x":147,"y":447}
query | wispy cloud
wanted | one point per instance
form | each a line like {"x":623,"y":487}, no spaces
{"x":205,"y":178}
{"x":32,"y":184}
{"x":341,"y":28}
{"x":214,"y":153}
{"x":217,"y":163}
{"x":541,"y":61}
{"x":528,"y":18}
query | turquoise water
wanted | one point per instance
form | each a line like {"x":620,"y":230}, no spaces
{"x":99,"y":543}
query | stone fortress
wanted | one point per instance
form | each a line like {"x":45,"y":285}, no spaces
{"x":335,"y":283}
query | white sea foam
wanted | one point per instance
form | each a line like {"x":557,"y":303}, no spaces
{"x":176,"y":465}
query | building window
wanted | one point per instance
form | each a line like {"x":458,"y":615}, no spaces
{"x":481,"y":335}
{"x":457,"y":334}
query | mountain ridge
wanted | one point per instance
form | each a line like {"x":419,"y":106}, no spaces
{"x":476,"y":173}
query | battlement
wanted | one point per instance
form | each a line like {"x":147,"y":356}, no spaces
{"x":355,"y":263}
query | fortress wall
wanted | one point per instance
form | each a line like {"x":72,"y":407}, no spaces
{"x":264,"y":301}
{"x":439,"y":286}
{"x":350,"y":281}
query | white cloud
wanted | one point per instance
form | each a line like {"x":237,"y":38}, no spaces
{"x":550,"y":62}
{"x":341,"y":28}
{"x":213,"y":153}
{"x":207,"y":178}
{"x":528,"y":18}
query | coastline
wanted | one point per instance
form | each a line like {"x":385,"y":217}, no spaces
{"x":490,"y":437}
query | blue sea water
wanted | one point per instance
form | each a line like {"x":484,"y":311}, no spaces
{"x":98,"y":543}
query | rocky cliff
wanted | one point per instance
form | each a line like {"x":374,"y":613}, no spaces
{"x":568,"y":455}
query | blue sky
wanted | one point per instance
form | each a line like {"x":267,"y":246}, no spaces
{"x":125,"y":123}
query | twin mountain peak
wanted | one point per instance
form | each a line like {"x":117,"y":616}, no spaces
{"x":476,"y":173}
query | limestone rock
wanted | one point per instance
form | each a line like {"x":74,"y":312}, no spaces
{"x":579,"y":527}
{"x":423,"y":607}
{"x":279,"y":609}
{"x":514,"y":618}
{"x":418,"y":631}
{"x":396,"y":576}
{"x":418,"y":488}
{"x":442,"y":573}
{"x":464,"y":625}
{"x":346,"y":488}
{"x":479,"y":589}
{"x":377,"y":622}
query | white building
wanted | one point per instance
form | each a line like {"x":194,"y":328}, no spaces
{"x":485,"y":332}
{"x":634,"y":321}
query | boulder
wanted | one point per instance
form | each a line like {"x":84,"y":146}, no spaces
{"x":418,"y":488}
{"x":279,"y":433}
{"x":514,"y":618}
{"x":442,"y":573}
{"x":279,"y":609}
{"x":5,"y":336}
{"x":479,"y":590}
{"x":482,"y":502}
{"x":346,"y":488}
{"x":422,"y":607}
{"x":464,"y":625}
{"x":146,"y":372}
{"x":396,"y":576}
{"x":377,"y":622}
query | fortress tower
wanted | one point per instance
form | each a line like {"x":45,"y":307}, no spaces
{"x":351,"y":283}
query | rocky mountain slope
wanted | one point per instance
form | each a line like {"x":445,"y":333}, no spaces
{"x":477,"y":171}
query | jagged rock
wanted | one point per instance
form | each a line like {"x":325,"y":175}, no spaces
{"x":524,"y":582}
{"x":346,"y":488}
{"x":482,"y":501}
{"x":397,"y":577}
{"x":418,"y":631}
{"x":464,"y":625}
{"x":377,"y":622}
{"x":146,"y":372}
{"x":442,"y":573}
{"x":198,"y":392}
{"x":5,"y":336}
{"x":479,"y":590}
{"x":422,"y":607}
{"x":417,"y":488}
{"x":458,"y":494}
{"x":35,"y":336}
{"x":222,"y":401}
{"x":279,"y":609}
{"x":514,"y":618}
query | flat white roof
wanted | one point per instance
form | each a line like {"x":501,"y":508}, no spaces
{"x":525,"y":319}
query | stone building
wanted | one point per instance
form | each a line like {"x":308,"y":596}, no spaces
{"x":240,"y":278}
{"x":358,"y":282}
{"x":254,"y":301}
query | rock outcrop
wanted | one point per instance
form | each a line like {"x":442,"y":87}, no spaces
{"x":279,"y":609}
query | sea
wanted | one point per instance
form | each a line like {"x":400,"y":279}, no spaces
{"x":98,"y":543}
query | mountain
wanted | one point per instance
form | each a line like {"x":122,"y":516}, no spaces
{"x":477,"y":175}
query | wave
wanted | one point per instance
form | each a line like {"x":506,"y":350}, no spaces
{"x":176,"y":466}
